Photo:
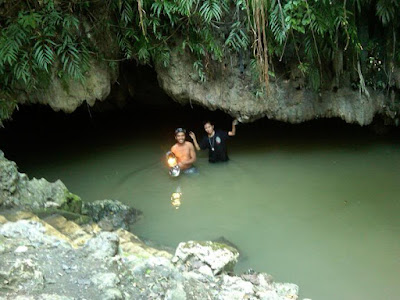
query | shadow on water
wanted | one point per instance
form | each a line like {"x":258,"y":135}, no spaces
{"x":36,"y":128}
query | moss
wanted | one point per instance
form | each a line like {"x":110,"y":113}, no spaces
{"x":72,"y":203}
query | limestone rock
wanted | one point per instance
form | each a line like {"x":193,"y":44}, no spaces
{"x":218,"y":257}
{"x":67,"y":96}
{"x":76,"y":235}
{"x":131,"y":244}
{"x":104,"y":281}
{"x":111,"y":214}
{"x":103,"y":245}
{"x":24,"y":274}
{"x":33,"y":231}
{"x":236,"y":94}
{"x":178,"y":293}
{"x":53,"y":297}
{"x":235,"y":288}
{"x":17,"y":190}
{"x":3,"y":220}
{"x":112,"y":294}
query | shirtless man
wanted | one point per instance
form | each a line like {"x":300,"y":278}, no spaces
{"x":184,"y":152}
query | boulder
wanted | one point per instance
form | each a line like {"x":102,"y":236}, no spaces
{"x":111,"y":214}
{"x":219,"y":257}
{"x":235,"y":288}
{"x":105,"y":281}
{"x":17,"y":190}
{"x":35,"y":232}
{"x":104,"y":245}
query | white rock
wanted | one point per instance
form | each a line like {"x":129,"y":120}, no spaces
{"x":21,"y":249}
{"x":206,"y":270}
{"x":217,"y":256}
{"x":105,"y":280}
{"x":176,"y":294}
{"x":104,"y":245}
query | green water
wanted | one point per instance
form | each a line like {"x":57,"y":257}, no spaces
{"x":321,"y":212}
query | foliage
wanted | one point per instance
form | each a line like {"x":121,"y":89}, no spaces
{"x":41,"y":39}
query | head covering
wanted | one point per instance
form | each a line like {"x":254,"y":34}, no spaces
{"x":180,"y":130}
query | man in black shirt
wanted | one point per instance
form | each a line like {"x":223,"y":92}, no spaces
{"x":215,"y":141}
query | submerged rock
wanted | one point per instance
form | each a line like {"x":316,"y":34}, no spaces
{"x":111,"y":214}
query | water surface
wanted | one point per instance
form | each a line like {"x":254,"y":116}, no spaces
{"x":308,"y":205}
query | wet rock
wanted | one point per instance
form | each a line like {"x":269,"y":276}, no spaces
{"x":103,"y":245}
{"x":111,"y":214}
{"x":218,"y":257}
{"x":223,"y":240}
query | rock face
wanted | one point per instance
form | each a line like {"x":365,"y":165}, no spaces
{"x":217,"y":256}
{"x":17,"y":190}
{"x":228,"y":90}
{"x":67,"y":96}
{"x":40,"y":261}
{"x":111,"y":214}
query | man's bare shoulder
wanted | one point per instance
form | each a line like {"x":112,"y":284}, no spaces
{"x":189,"y":144}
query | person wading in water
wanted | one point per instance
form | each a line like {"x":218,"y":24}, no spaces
{"x":215,"y":141}
{"x":184,"y":152}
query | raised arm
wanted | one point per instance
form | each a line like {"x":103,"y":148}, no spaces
{"x":192,"y":154}
{"x":196,"y":144}
{"x":233,"y":131}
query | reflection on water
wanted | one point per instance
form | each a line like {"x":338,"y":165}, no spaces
{"x":322,"y":213}
{"x":176,"y":198}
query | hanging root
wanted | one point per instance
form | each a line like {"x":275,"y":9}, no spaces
{"x":258,"y":21}
{"x":363,"y":88}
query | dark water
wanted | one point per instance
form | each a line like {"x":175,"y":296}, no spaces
{"x":314,"y":204}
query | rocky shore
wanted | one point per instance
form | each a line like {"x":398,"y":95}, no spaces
{"x":54,"y":246}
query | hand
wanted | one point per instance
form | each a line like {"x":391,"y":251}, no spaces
{"x":235,"y":122}
{"x":192,"y":135}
